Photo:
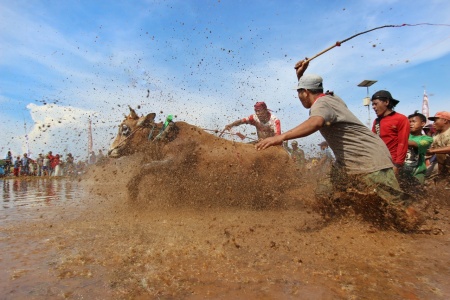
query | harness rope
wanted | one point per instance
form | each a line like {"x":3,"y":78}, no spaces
{"x":229,"y":133}
{"x":150,"y":134}
{"x":126,"y":138}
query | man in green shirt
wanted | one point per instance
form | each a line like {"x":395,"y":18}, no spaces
{"x":415,"y":168}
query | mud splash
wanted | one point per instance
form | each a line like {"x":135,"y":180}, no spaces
{"x":108,"y":248}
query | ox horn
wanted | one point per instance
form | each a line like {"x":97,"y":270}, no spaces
{"x":133,"y":114}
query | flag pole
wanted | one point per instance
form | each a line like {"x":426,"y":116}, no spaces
{"x":425,"y":106}
{"x":90,"y":143}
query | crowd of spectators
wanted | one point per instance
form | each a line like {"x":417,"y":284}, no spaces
{"x":416,"y":148}
{"x":47,"y":165}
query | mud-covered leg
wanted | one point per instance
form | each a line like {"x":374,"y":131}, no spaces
{"x":147,"y":168}
{"x":399,"y":209}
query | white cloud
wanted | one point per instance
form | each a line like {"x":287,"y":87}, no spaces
{"x":207,"y":79}
{"x":60,"y":129}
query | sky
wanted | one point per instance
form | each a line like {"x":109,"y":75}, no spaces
{"x":206,"y":62}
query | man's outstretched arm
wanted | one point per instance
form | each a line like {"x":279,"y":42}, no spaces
{"x":304,"y":129}
{"x":235,"y":123}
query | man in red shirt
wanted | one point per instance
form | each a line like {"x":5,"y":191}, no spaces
{"x":392,"y":127}
{"x":51,"y":159}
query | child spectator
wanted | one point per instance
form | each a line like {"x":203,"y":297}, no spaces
{"x":414,"y":169}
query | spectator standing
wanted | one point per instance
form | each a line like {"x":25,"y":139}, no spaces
{"x":46,"y":166}
{"x":441,"y":143}
{"x":298,"y":155}
{"x":100,"y":157}
{"x":8,"y":163}
{"x":55,"y":165}
{"x":326,"y":157}
{"x":40,"y":164}
{"x":69,"y":165}
{"x":50,"y":166}
{"x":32,"y":167}
{"x":17,"y":164}
{"x":391,"y":127}
{"x":25,"y":166}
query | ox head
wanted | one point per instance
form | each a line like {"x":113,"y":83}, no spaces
{"x":133,"y":134}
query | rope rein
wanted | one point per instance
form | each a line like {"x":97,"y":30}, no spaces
{"x":126,"y":138}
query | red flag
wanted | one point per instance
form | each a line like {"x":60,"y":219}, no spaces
{"x":425,"y":107}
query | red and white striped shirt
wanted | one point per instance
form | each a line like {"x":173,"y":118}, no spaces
{"x":264,"y":130}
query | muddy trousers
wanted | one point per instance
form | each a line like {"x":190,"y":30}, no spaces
{"x":382,"y":183}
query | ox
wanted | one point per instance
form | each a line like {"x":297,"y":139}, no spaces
{"x":192,"y":166}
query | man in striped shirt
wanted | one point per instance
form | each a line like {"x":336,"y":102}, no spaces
{"x":266,"y":123}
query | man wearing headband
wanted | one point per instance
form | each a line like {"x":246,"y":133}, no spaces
{"x":266,"y":123}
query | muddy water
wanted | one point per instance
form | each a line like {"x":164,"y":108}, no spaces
{"x":81,"y":239}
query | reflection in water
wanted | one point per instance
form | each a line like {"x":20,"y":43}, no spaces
{"x":26,"y":192}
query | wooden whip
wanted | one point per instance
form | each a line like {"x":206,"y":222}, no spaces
{"x":338,"y":43}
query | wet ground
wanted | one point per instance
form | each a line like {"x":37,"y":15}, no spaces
{"x":80,"y":239}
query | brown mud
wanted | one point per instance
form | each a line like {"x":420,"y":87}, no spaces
{"x":174,"y":244}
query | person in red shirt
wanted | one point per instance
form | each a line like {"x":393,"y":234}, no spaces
{"x":392,"y":127}
{"x":51,"y":158}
